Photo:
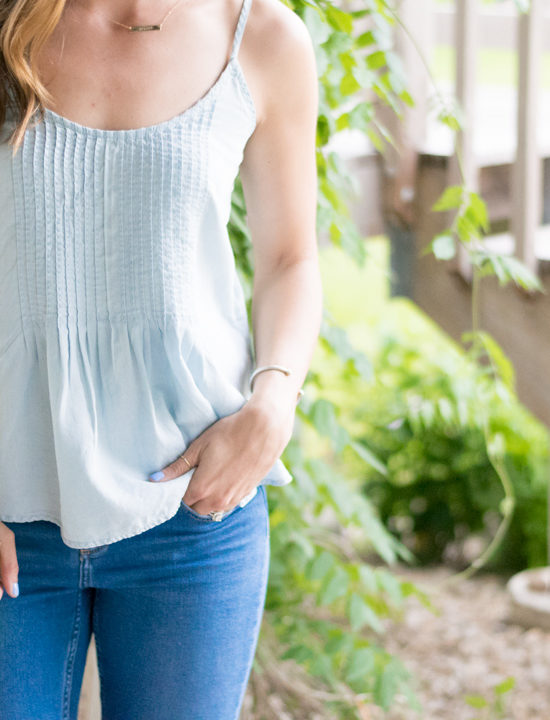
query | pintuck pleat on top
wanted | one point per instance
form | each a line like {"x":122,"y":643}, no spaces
{"x":123,"y":326}
{"x":89,"y":208}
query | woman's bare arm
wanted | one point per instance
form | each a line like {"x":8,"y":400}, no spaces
{"x":279,"y":179}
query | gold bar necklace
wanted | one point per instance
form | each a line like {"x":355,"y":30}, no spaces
{"x":145,"y":28}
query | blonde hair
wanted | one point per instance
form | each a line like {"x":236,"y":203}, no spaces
{"x":25,"y":26}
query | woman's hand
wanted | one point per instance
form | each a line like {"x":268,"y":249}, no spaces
{"x":233,"y":454}
{"x":9,"y":568}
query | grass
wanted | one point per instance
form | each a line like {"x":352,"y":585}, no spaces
{"x":496,"y":66}
{"x":359,"y":300}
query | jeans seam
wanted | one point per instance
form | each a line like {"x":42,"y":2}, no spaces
{"x":69,"y":666}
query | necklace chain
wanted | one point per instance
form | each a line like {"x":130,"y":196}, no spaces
{"x":141,"y":28}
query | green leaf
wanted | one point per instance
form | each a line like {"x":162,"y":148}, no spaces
{"x":348,"y":84}
{"x":375,"y":139}
{"x":479,"y":210}
{"x":360,"y":13}
{"x":490,"y":263}
{"x":502,"y":363}
{"x":446,"y":409}
{"x":324,"y":420}
{"x":363,"y":75}
{"x":466,"y":228}
{"x":361,"y":116}
{"x":376,"y":60}
{"x":388,"y":682}
{"x":390,"y":584}
{"x":366,"y":38}
{"x":520,"y":273}
{"x":300,"y":653}
{"x":334,"y":585}
{"x":361,"y":664}
{"x":320,"y":566}
{"x":339,"y":19}
{"x":444,"y":247}
{"x":323,"y":130}
{"x":361,"y":613}
{"x":407,"y":98}
{"x":451,"y":198}
{"x":303,"y":544}
{"x":369,"y":457}
{"x":451,"y":119}
{"x":476,"y":701}
{"x":505,"y":685}
{"x":342,"y":121}
{"x":343,"y":642}
{"x":316,"y":25}
{"x":368,"y":579}
{"x":335,"y":232}
{"x":322,"y":667}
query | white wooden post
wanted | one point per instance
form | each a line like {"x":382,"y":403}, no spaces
{"x":528,"y":190}
{"x":399,"y":205}
{"x":400,"y":163}
{"x":466,"y":62}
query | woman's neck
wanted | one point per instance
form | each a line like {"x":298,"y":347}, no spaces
{"x":148,"y":10}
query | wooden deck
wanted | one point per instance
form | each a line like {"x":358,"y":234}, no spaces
{"x":519,"y":323}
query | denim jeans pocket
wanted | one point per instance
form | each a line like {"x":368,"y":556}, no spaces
{"x":211,"y":517}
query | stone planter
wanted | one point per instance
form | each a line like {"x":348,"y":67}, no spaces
{"x":529,"y":592}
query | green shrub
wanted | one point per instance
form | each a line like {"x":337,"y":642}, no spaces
{"x":422,"y":419}
{"x":442,"y":434}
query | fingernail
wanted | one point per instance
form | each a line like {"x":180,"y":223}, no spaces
{"x":155,"y":477}
{"x":15,"y":589}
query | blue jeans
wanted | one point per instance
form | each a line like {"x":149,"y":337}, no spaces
{"x":175,"y":611}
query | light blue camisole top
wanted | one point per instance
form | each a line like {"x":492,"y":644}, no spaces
{"x":123,"y":326}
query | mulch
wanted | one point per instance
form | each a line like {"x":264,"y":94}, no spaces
{"x":471,"y":645}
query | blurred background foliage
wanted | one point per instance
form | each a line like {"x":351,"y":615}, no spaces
{"x":436,"y":488}
{"x":404,"y":443}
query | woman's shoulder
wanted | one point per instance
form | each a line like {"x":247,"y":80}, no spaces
{"x":277,"y":51}
{"x":274,"y":30}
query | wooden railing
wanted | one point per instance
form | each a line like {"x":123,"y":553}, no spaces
{"x":471,"y":24}
{"x":528,"y":239}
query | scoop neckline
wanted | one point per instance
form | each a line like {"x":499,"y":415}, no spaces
{"x":146,"y":129}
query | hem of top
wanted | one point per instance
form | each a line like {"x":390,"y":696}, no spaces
{"x":138,"y":529}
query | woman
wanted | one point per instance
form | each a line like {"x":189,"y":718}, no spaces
{"x":139,"y":424}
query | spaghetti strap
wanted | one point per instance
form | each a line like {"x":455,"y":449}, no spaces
{"x":243,"y":15}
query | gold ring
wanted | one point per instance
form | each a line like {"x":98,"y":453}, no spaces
{"x":186,"y":460}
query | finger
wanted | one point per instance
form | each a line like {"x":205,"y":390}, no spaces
{"x":195,"y":490}
{"x":182,"y":464}
{"x":204,"y":493}
{"x":9,"y":568}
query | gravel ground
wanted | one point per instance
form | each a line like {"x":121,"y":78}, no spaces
{"x":472,"y":645}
